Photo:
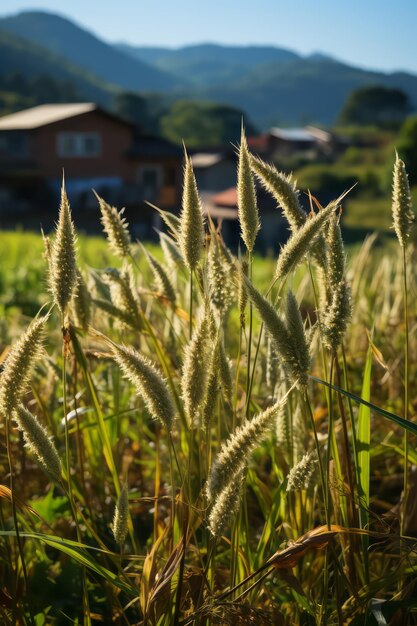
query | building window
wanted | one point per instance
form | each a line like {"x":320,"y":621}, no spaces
{"x":14,"y":144}
{"x":149,"y":177}
{"x":170,"y":176}
{"x":78,"y":145}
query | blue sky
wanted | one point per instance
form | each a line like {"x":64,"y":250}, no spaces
{"x":377,"y":34}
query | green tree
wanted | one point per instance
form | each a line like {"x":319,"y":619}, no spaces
{"x":407,"y":147}
{"x":375,"y":106}
{"x":132,"y":107}
{"x":203,"y":124}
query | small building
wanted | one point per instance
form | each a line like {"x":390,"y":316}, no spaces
{"x":280,"y":144}
{"x":96,"y":150}
{"x":223,"y":208}
{"x":214,"y":171}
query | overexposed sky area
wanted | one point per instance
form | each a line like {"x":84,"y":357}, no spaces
{"x":377,"y":34}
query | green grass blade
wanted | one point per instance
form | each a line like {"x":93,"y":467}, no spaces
{"x":76,"y":551}
{"x":364,"y":434}
{"x":364,"y":460}
{"x":400,"y":421}
{"x":104,"y":435}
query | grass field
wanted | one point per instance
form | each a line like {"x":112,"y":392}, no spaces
{"x":209,"y":439}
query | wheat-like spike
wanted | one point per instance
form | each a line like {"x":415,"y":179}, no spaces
{"x":300,"y":243}
{"x":171,"y":252}
{"x":115,"y":227}
{"x":162,"y":280}
{"x":300,"y":434}
{"x":197,"y":357}
{"x":298,"y":337}
{"x":47,"y":247}
{"x":242,"y":296}
{"x":120,"y":524}
{"x":148,"y":381}
{"x":212,"y":389}
{"x":218,"y":278}
{"x":62,"y":275}
{"x":113,"y":311}
{"x":402,"y":208}
{"x":292,"y":359}
{"x":335,"y":253}
{"x":191,"y":233}
{"x":337,"y":317}
{"x":123,"y":292}
{"x":283,"y":431}
{"x":81,"y":303}
{"x":225,"y":373}
{"x":301,"y":474}
{"x":272,"y":361}
{"x":226,"y":504}
{"x":171,"y":220}
{"x":18,"y":366}
{"x":246,"y":197}
{"x":283,"y":189}
{"x":234,"y":453}
{"x":38,"y":442}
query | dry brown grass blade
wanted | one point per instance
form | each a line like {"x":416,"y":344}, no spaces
{"x":317,"y":538}
{"x":6,"y":493}
{"x":167,"y":573}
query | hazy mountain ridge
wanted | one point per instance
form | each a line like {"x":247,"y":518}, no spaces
{"x":18,"y":55}
{"x":273,"y":85}
{"x":84,"y":49}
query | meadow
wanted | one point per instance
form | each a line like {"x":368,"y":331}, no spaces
{"x":190,"y":436}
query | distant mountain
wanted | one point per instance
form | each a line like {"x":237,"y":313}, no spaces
{"x":69,"y":40}
{"x":303,"y":91}
{"x":272,"y":85}
{"x":20,"y":56}
{"x":208,"y":64}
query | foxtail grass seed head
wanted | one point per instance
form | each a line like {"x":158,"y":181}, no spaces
{"x":171,"y":252}
{"x":197,"y":358}
{"x":62,"y":266}
{"x":38,"y":442}
{"x":226,"y":505}
{"x":116,"y":228}
{"x":234,"y":453}
{"x":148,"y":381}
{"x":172,"y":221}
{"x":300,"y":243}
{"x":283,"y":431}
{"x":120,"y":524}
{"x":191,"y":233}
{"x":292,"y":353}
{"x":212,"y":390}
{"x":18,"y":367}
{"x":297,"y":334}
{"x":335,"y":252}
{"x":124,"y":294}
{"x":218,"y":278}
{"x":225,"y":373}
{"x":242,"y":296}
{"x":301,"y":474}
{"x":47,"y":252}
{"x":300,"y":434}
{"x":162,"y":280}
{"x":246,"y":197}
{"x":283,"y":189}
{"x":272,"y":362}
{"x":81,"y":303}
{"x":402,"y":208}
{"x":335,"y":319}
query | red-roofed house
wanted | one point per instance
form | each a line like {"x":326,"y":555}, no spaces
{"x":95,"y":149}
